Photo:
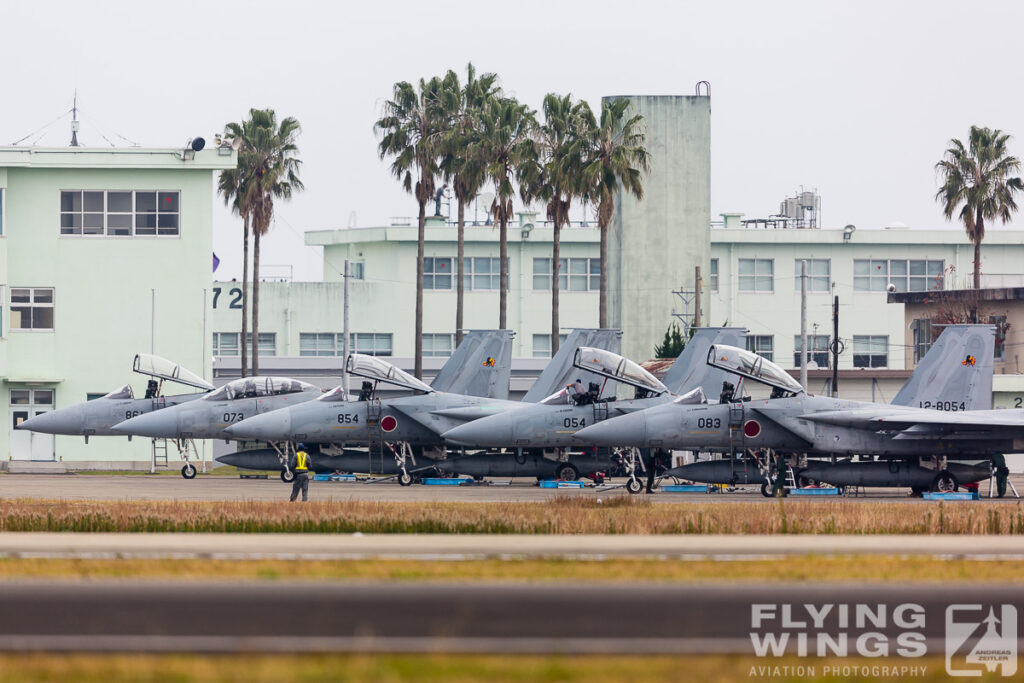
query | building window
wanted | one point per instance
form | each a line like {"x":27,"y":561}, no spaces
{"x":574,"y":274}
{"x":267,"y":345}
{"x":762,"y":344}
{"x":356,"y":270}
{"x":757,"y":275}
{"x":713,"y":275}
{"x":906,"y":275}
{"x":922,"y":337}
{"x":2,"y":210}
{"x":817,"y":350}
{"x":119,"y":213}
{"x":320,"y":343}
{"x":819,"y":274}
{"x":870,"y":351}
{"x":438,"y":345}
{"x":225,"y":344}
{"x":1001,"y":326}
{"x":32,"y":308}
{"x":481,"y":274}
{"x":371,"y":344}
{"x":437,"y":273}
{"x":542,"y":345}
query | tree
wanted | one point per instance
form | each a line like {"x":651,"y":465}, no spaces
{"x":977,"y":180}
{"x":672,"y":345}
{"x":556,"y":178}
{"x":465,"y":171}
{"x":268,"y":160}
{"x":616,"y":156}
{"x":507,"y":147}
{"x":411,"y":127}
{"x":232,"y":186}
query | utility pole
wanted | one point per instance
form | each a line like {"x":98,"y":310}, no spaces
{"x":803,"y":324}
{"x":697,"y":288}
{"x":344,"y":362}
{"x":835,"y":347}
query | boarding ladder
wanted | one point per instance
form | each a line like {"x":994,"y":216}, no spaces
{"x":375,"y":444}
{"x":600,"y":411}
{"x":159,"y":458}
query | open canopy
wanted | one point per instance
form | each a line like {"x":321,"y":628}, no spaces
{"x":335,"y":395}
{"x":155,"y":366}
{"x":613,"y":366}
{"x":258,"y":387}
{"x":380,"y":370}
{"x":121,"y":393}
{"x":752,"y":366}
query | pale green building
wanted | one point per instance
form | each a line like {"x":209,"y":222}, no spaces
{"x":104,"y":253}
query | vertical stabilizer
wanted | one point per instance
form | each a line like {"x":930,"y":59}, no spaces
{"x":560,"y":370}
{"x":957,"y":370}
{"x":691,"y":369}
{"x":481,"y":366}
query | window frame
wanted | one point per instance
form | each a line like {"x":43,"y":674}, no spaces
{"x":217,"y":344}
{"x":470,"y":274}
{"x":433,"y":352}
{"x":756,"y":344}
{"x":106,"y":213}
{"x":817,"y":350}
{"x":433,"y":274}
{"x":873,"y":341}
{"x":754,"y":278}
{"x":814,"y":281}
{"x":358,"y":337}
{"x":571,"y":269}
{"x":320,"y":340}
{"x":31,"y":304}
{"x":933,"y":275}
{"x":713,"y":275}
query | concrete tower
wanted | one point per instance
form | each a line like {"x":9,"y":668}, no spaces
{"x":654,"y":244}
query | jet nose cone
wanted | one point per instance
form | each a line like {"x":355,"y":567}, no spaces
{"x":489,"y":431}
{"x":626,"y":430}
{"x":162,"y":424}
{"x":63,"y":421}
{"x":274,"y":426}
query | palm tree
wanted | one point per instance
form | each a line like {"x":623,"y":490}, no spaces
{"x":976,"y":180}
{"x":268,"y":157}
{"x":506,"y":144}
{"x":232,"y":186}
{"x":411,"y":127}
{"x":616,"y":157}
{"x":556,"y":178}
{"x":465,"y":171}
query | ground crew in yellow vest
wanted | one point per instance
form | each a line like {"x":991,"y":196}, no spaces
{"x":300,"y":465}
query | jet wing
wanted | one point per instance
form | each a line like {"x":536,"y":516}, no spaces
{"x":925,"y":423}
{"x":443,"y":419}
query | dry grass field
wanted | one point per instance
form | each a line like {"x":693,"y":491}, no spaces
{"x":615,"y":515}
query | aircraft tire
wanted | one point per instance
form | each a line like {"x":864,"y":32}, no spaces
{"x":188,"y":471}
{"x":634,"y":485}
{"x":287,"y":476}
{"x":567,"y":472}
{"x":766,"y":489}
{"x":945,"y":482}
{"x":405,"y":479}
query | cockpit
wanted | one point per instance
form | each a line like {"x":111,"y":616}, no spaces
{"x":258,"y":387}
{"x":752,"y":366}
{"x":121,"y":393}
{"x":615,"y":367}
{"x":379,"y":370}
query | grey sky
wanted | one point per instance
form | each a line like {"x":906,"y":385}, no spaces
{"x":856,"y":99}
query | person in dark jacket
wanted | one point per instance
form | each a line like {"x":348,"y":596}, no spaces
{"x":300,"y":465}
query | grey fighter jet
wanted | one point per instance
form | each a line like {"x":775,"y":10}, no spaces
{"x":99,"y":416}
{"x":472,"y":384}
{"x":211,"y":415}
{"x":549,"y":426}
{"x":935,"y":418}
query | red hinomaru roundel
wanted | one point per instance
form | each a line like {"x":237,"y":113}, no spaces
{"x":388,"y":423}
{"x":751,"y":428}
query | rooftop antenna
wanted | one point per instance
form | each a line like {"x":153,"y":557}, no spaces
{"x":74,"y":121}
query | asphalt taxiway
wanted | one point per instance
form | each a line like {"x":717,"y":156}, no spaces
{"x":423,"y":617}
{"x":211,"y":488}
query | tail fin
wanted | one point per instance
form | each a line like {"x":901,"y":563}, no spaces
{"x":956,"y":369}
{"x":560,"y":370}
{"x":691,"y":369}
{"x":481,"y":366}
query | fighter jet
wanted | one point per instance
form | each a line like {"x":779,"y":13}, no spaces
{"x":549,"y":425}
{"x":210,"y":416}
{"x":99,"y":416}
{"x":472,"y":384}
{"x":935,"y":418}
